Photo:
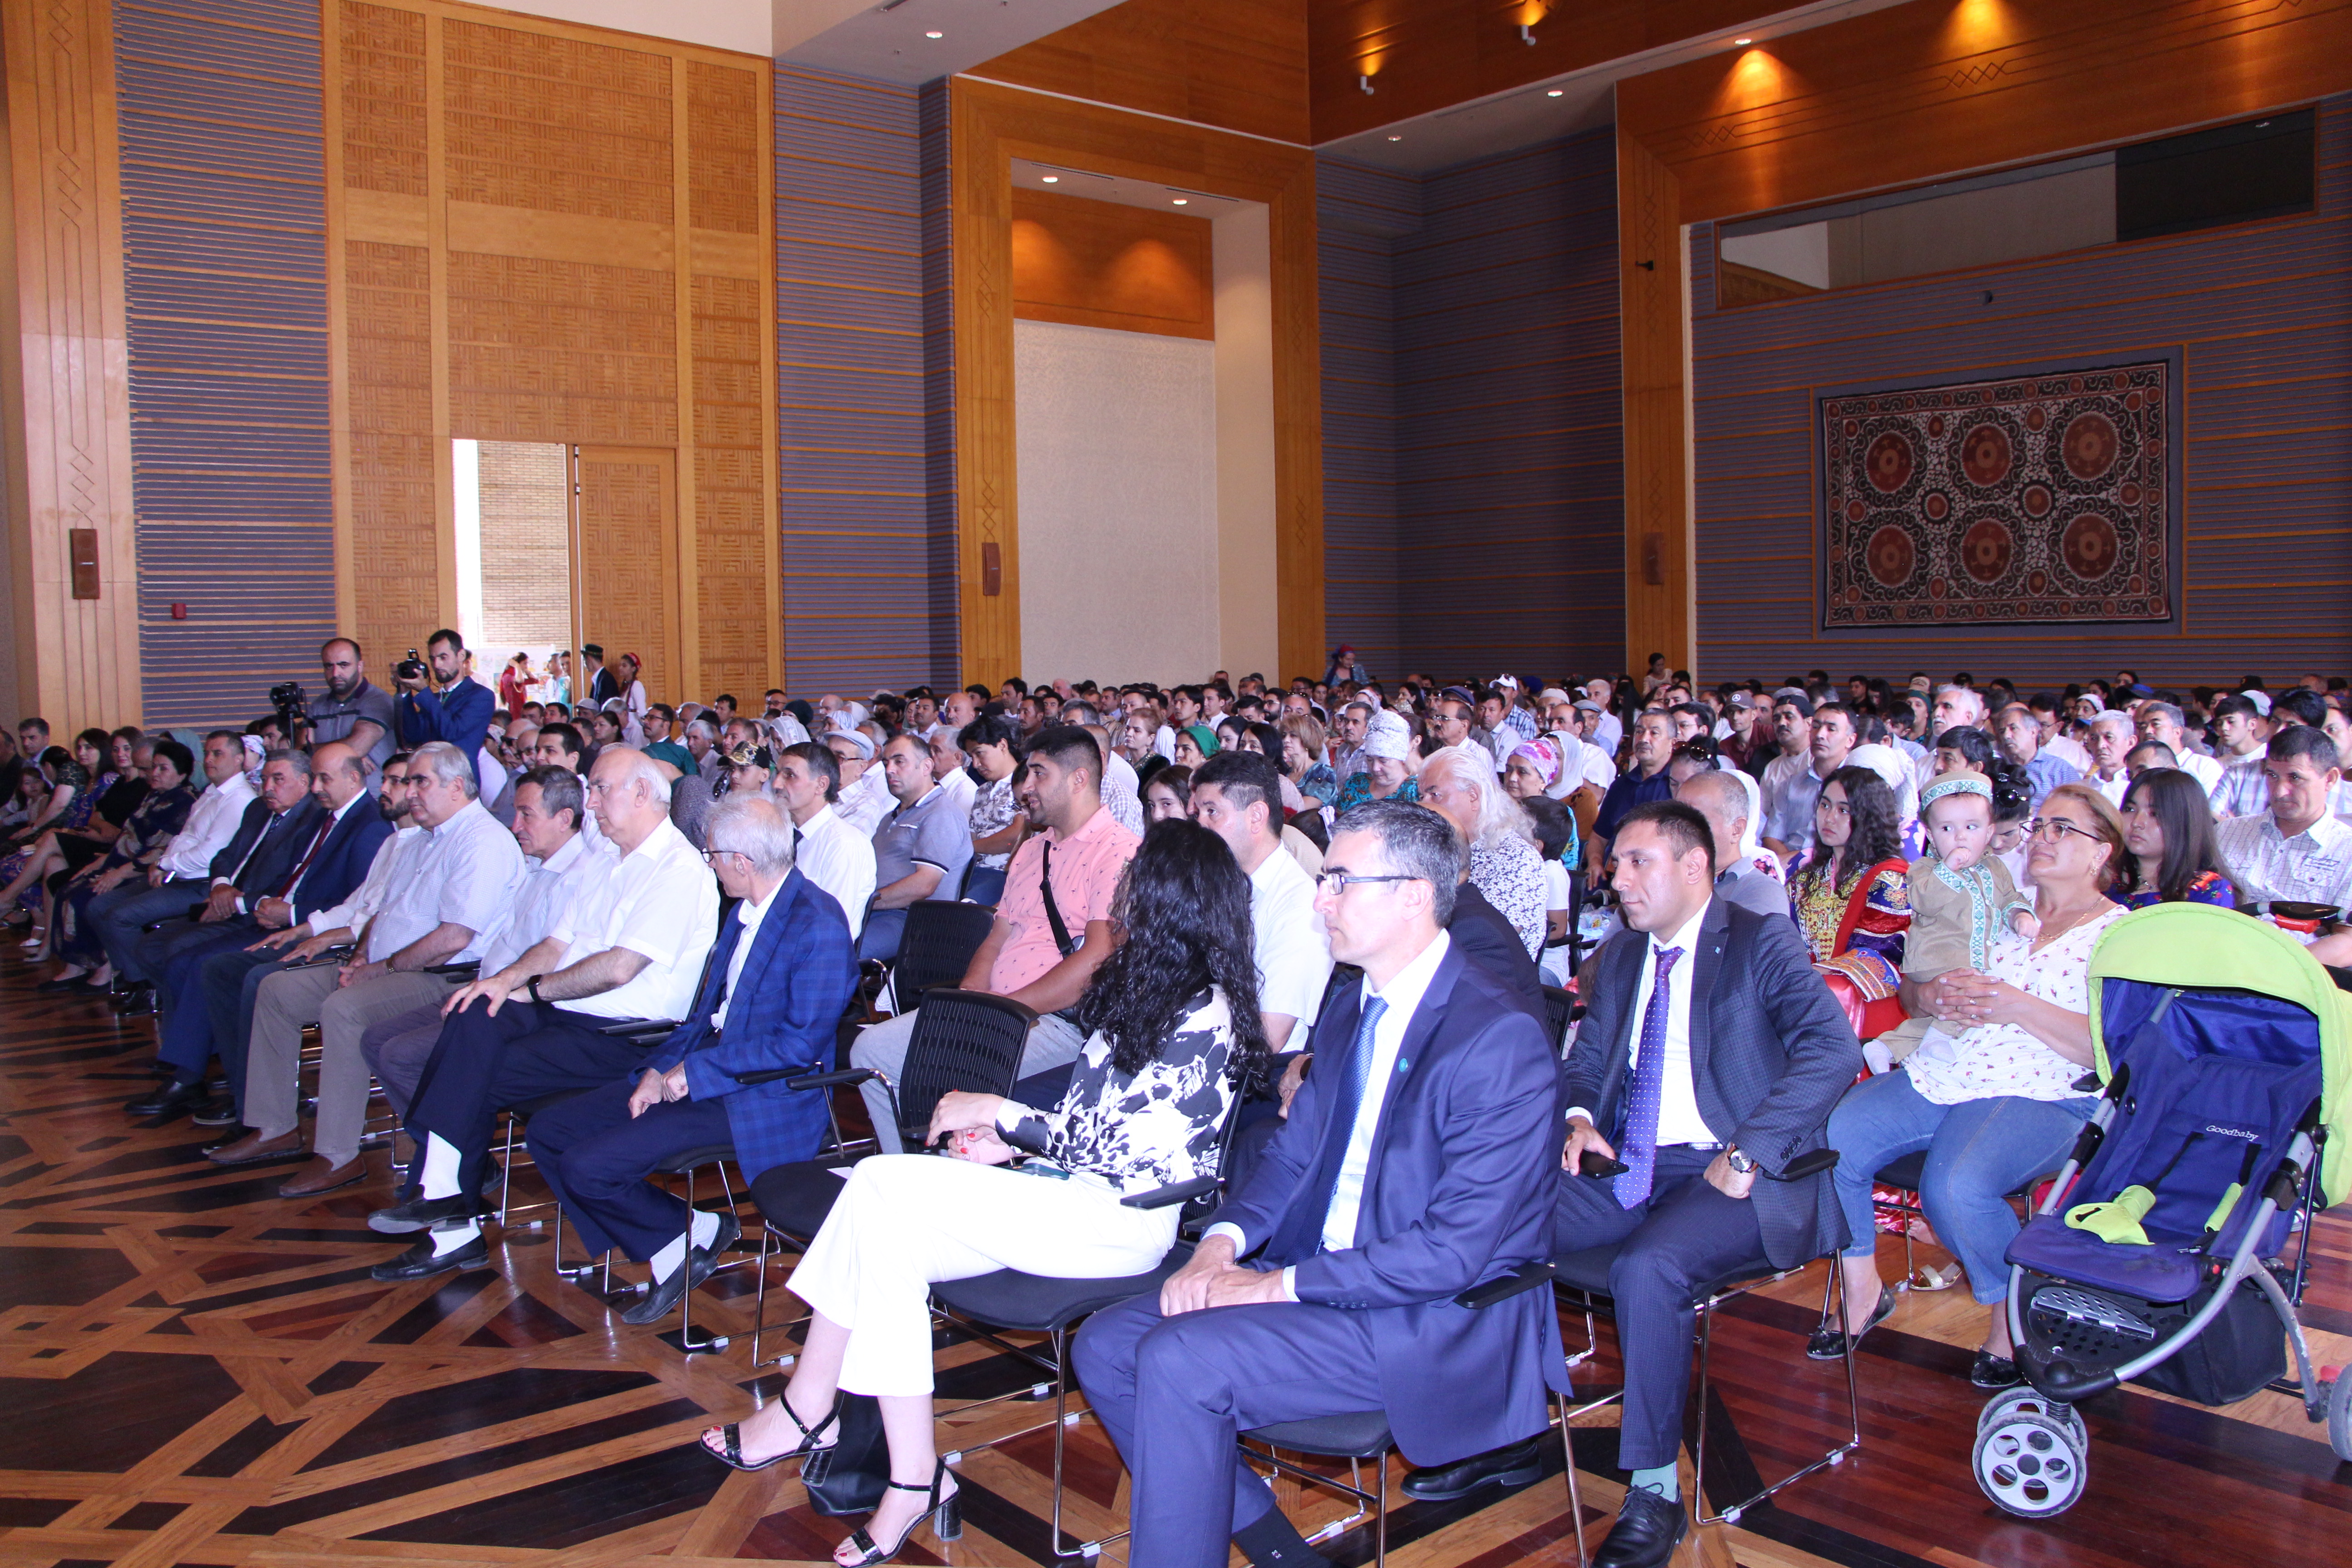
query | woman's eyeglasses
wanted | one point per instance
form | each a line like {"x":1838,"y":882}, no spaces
{"x":2053,"y":828}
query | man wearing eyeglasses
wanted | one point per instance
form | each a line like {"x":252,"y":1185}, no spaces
{"x":779,"y":977}
{"x":1417,"y":1163}
{"x":630,"y":947}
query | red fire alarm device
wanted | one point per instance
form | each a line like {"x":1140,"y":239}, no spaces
{"x":179,"y":612}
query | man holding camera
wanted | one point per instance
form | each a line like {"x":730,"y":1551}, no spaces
{"x":355,"y":710}
{"x":451,"y":706}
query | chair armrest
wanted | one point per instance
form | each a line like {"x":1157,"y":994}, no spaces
{"x":800,"y":1081}
{"x":628,"y":1028}
{"x":1175,"y":1193}
{"x":1518,"y":1281}
{"x":1812,"y":1163}
{"x":464,"y":970}
{"x":327,"y":955}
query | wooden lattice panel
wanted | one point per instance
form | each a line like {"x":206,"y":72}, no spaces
{"x":393,"y":471}
{"x":382,"y":98}
{"x":722,"y":148}
{"x":556,"y":124}
{"x":627,"y":543}
{"x":732,"y":542}
{"x":561,"y":351}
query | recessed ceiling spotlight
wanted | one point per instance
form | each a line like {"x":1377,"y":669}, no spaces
{"x":1554,"y":92}
{"x":1396,"y":138}
{"x":1182,"y":201}
{"x":935,"y":35}
{"x":1734,"y":40}
{"x":1051,"y":179}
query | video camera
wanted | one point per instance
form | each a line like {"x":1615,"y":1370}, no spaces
{"x":409,"y":668}
{"x":293,"y":709}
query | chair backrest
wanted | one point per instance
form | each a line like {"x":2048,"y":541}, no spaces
{"x":1559,"y":1006}
{"x":965,"y":1040}
{"x":936,"y":946}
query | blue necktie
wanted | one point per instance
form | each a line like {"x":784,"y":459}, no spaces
{"x":1302,"y":1232}
{"x":1639,"y":1148}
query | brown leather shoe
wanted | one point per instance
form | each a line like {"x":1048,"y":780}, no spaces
{"x":253,"y":1147}
{"x":318,"y":1176}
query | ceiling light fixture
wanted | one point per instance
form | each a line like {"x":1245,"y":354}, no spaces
{"x":935,"y":35}
{"x":1051,"y":179}
{"x":1396,"y":138}
{"x":1180,"y":201}
{"x":1743,"y":41}
{"x":1554,"y":92}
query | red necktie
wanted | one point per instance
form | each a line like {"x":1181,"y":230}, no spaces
{"x":285,"y":889}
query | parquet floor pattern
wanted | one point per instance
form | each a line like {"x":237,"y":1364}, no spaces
{"x":198,"y":1372}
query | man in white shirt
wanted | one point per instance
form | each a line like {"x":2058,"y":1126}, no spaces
{"x":947,"y":768}
{"x":2295,"y":851}
{"x":1352,"y":1274}
{"x":1608,"y":731}
{"x":2112,"y":736}
{"x":1236,"y":795}
{"x":181,"y":877}
{"x":1956,"y":708}
{"x":2162,"y":722}
{"x":450,"y":884}
{"x":862,"y":798}
{"x":826,"y":849}
{"x":2244,"y":730}
{"x":1348,"y":732}
{"x":1793,"y":729}
{"x":629,"y":949}
{"x":1591,"y":764}
{"x":1789,"y":822}
{"x":561,"y":859}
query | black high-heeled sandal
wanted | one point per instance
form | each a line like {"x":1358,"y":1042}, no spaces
{"x":732,"y":1434}
{"x":947,"y":1520}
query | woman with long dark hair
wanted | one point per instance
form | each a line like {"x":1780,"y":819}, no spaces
{"x":1173,"y":1033}
{"x":1852,"y":900}
{"x":2169,"y":829}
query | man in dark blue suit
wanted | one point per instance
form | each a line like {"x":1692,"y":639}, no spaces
{"x":313,"y":867}
{"x":771,"y":996}
{"x":1418,"y":1160}
{"x":1712,"y":1053}
{"x":459,"y":713}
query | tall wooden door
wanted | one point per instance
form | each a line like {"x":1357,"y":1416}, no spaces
{"x":624,"y":559}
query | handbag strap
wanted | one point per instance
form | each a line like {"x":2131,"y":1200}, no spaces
{"x":1053,"y":910}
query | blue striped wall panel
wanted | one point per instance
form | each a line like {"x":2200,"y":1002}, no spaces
{"x":2261,"y":315}
{"x":857,"y":410}
{"x":1508,"y":458}
{"x":1359,"y":213}
{"x":942,"y":562}
{"x":224,"y":220}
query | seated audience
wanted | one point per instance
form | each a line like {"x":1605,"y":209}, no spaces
{"x":779,"y":975}
{"x":136,"y":853}
{"x":1170,"y":1033}
{"x":2297,"y":850}
{"x":2241,"y":730}
{"x":2169,"y":829}
{"x":560,"y":862}
{"x":1741,"y":878}
{"x":183,"y":874}
{"x":1644,"y":783}
{"x":1503,"y":863}
{"x":1852,"y":900}
{"x":2163,"y":724}
{"x":1387,"y":765}
{"x":1168,"y":796}
{"x":1234,"y":797}
{"x":630,"y":947}
{"x":828,"y":848}
{"x":919,"y":851}
{"x":862,"y":794}
{"x":1303,"y":740}
{"x":1789,"y":827}
{"x":2112,"y":736}
{"x":1052,"y":927}
{"x":994,"y":821}
{"x":1989,"y":1091}
{"x":438,"y":894}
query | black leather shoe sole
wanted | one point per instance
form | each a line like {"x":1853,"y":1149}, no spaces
{"x":172,"y":1101}
{"x":419,"y":1263}
{"x":1517,"y":1466}
{"x":418,"y":1214}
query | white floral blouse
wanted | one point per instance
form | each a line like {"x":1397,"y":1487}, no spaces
{"x":1140,"y":1133}
{"x":1989,"y":1060}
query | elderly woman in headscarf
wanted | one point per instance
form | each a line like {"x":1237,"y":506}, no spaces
{"x":1388,"y":767}
{"x":1195,"y":744}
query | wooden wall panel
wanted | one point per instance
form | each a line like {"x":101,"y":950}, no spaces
{"x":1103,"y":264}
{"x":554,"y":233}
{"x":1238,"y":65}
{"x":1906,"y":95}
{"x":994,"y":124}
{"x":78,"y":659}
{"x":624,"y":557}
{"x":1360,"y":212}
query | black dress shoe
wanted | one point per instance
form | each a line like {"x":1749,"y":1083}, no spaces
{"x":169,"y":1101}
{"x":419,"y":1262}
{"x":664,"y":1298}
{"x":417,"y":1214}
{"x":1647,"y":1530}
{"x":1513,"y":1467}
{"x":137,"y":1000}
{"x":220,"y":1111}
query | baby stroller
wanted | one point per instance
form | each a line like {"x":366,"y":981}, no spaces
{"x":2227,"y":1053}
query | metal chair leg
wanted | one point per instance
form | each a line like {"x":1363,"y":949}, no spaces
{"x":1706,"y":1390}
{"x":769,"y":1244}
{"x":710,"y":1344}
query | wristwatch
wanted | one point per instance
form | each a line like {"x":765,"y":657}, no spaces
{"x":1741,"y":1165}
{"x":533,"y":989}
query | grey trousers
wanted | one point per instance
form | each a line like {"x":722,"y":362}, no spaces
{"x":294,"y":997}
{"x":397,"y":1050}
{"x":1053,"y":1040}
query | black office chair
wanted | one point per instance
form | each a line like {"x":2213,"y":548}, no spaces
{"x":643,"y":1031}
{"x":1560,"y":1007}
{"x":1363,"y":1437}
{"x":968,"y":1040}
{"x":936,"y":948}
{"x":1586,"y":1273}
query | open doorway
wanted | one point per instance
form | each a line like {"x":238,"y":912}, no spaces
{"x":559,"y":546}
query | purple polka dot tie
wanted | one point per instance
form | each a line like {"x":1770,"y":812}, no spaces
{"x":1639,"y":1148}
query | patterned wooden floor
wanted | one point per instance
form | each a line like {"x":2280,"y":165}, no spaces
{"x":199,"y":1372}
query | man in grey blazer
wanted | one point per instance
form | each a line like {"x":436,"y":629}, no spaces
{"x":1709,"y":1058}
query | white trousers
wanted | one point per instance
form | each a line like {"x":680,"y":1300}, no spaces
{"x":907,"y":1220}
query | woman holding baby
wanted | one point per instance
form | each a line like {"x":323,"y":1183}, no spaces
{"x":1989,"y":1089}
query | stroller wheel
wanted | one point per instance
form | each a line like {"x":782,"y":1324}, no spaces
{"x":2032,"y":1401}
{"x":2031,"y":1465}
{"x":2339,"y":1415}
